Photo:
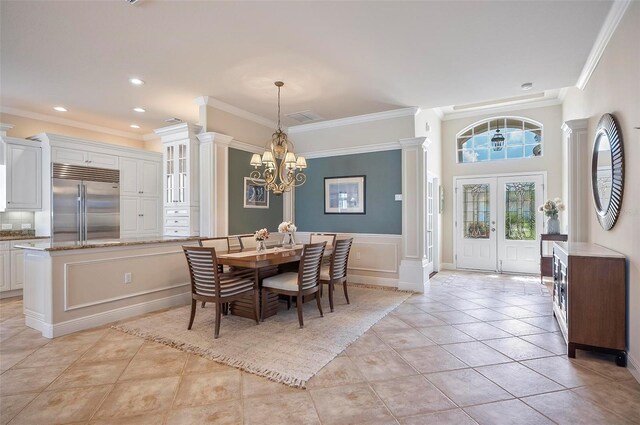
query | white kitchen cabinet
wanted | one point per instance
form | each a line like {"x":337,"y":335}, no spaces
{"x":22,"y":175}
{"x":5,"y":270}
{"x":17,"y":269}
{"x":139,"y":216}
{"x":84,"y":158}
{"x":139,"y":177}
{"x":12,"y":267}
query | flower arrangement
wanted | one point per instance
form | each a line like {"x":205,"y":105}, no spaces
{"x":287,"y":227}
{"x":551,"y":208}
{"x":261,"y":235}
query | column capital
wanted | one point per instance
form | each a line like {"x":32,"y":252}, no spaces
{"x":574,"y":125}
{"x":414,"y":141}
{"x":216,"y":138}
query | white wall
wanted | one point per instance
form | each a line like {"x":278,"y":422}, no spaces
{"x":614,"y":88}
{"x":550,"y":161}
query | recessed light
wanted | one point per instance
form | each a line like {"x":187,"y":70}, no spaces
{"x":60,"y":108}
{"x":526,"y":86}
{"x":139,"y":109}
{"x":134,"y":126}
{"x":136,"y":81}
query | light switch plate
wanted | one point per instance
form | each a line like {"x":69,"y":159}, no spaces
{"x":26,"y":225}
{"x":398,"y":197}
{"x":7,"y":227}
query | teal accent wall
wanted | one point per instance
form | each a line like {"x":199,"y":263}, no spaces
{"x":384,"y":180}
{"x":248,"y":220}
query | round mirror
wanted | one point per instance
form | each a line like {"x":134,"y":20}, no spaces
{"x":607,"y":171}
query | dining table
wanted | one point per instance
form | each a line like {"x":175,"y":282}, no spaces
{"x":264,"y":263}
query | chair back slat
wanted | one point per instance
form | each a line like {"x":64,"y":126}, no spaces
{"x":221,"y":244}
{"x":309,"y":270}
{"x":247,"y":241}
{"x":340,"y":258}
{"x":329,"y":238}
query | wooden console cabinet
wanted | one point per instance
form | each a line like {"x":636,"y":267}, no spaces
{"x":589,"y":298}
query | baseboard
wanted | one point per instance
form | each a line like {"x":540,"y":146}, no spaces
{"x":633,"y":366}
{"x":10,"y":294}
{"x":372,"y":280}
{"x":99,"y":319}
{"x":447,"y":266}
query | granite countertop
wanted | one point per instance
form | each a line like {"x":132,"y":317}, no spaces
{"x":18,"y":235}
{"x":66,"y":246}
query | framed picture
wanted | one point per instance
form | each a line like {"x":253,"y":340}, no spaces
{"x":344,"y":195}
{"x":255,"y":195}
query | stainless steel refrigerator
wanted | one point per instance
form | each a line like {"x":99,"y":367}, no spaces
{"x":85,"y":203}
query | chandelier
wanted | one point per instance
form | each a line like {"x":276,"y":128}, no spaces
{"x":282,"y":170}
{"x":497,"y":141}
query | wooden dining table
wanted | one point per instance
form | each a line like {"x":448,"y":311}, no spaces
{"x":276,"y":256}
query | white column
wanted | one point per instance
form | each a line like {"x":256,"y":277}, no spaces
{"x":288,"y":206}
{"x":214,"y":184}
{"x":576,"y":172}
{"x":414,"y":273}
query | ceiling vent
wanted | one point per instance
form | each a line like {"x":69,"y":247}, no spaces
{"x":172,"y":120}
{"x":304,"y":116}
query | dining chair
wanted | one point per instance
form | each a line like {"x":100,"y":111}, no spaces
{"x":247,"y":241}
{"x":305,"y":282}
{"x":336,"y":273}
{"x":209,"y":285}
{"x":221,"y":244}
{"x":329,"y":238}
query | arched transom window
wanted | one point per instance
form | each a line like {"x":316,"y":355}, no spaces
{"x":499,"y":138}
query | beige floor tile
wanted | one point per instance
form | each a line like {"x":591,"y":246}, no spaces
{"x":516,"y":312}
{"x":12,"y":358}
{"x":566,"y":407}
{"x":382,"y":366}
{"x":467,"y":387}
{"x":28,"y":339}
{"x":110,"y":349}
{"x":620,"y":397}
{"x":291,"y":408}
{"x":64,"y":355}
{"x":155,"y":361}
{"x":509,"y":412}
{"x":564,"y":371}
{"x":432,"y":359}
{"x":460,"y":304}
{"x":254,"y":386}
{"x":518,"y":349}
{"x":207,"y":388}
{"x":89,"y":336}
{"x":15,"y":381}
{"x":66,"y":406}
{"x":222,"y":413}
{"x":448,"y":417}
{"x":517,"y":327}
{"x":368,"y":343}
{"x":553,"y":342}
{"x":139,"y":397}
{"x":454,"y":317}
{"x":548,"y":323}
{"x":519,"y":380}
{"x":482,"y":331}
{"x":490,"y":302}
{"x":445,"y":334}
{"x":145,"y":419}
{"x":476,"y":354}
{"x":603,"y":364}
{"x":486,"y":314}
{"x":196,"y":364}
{"x":349,"y":404}
{"x":544,"y":309}
{"x":421,"y":320}
{"x":390,"y":323}
{"x":11,"y":405}
{"x":405,"y":309}
{"x":411,"y":395}
{"x":430,"y":307}
{"x":89,"y":374}
{"x":405,"y":339}
{"x":339,"y":371}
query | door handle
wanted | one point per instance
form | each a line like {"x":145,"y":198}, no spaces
{"x":79,"y":214}
{"x":84,"y":212}
{"x":493,"y":229}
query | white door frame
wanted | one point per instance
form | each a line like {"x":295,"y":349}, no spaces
{"x":480,"y":176}
{"x":436,"y":219}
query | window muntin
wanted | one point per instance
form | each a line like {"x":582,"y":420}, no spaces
{"x":522,"y":139}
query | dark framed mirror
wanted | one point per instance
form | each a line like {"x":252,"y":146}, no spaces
{"x":607,"y":171}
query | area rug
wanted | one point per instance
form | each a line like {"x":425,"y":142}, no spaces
{"x":276,"y":348}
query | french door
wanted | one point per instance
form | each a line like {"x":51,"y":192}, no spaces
{"x":497,"y":226}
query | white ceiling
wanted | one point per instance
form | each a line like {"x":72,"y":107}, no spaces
{"x":337,"y":59}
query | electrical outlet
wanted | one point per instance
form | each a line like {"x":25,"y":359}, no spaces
{"x":26,"y":225}
{"x":7,"y":227}
{"x":127,"y":278}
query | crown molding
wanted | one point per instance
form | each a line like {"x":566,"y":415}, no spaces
{"x":378,"y":147}
{"x":247,"y":147}
{"x":504,"y":108}
{"x":574,"y":125}
{"x":234,"y":110}
{"x":617,"y":11}
{"x":358,"y":119}
{"x":178,"y":128}
{"x":438,"y":112}
{"x":217,"y":138}
{"x":56,"y":139}
{"x":415,"y":141}
{"x":71,"y":123}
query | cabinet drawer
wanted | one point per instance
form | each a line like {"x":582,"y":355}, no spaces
{"x":4,"y":246}
{"x":177,"y":222}
{"x":176,"y":212}
{"x":176,"y":231}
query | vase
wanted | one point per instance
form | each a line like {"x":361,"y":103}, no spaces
{"x":553,"y":225}
{"x":288,"y":241}
{"x":261,"y":246}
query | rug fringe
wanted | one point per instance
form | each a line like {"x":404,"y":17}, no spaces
{"x":380,"y":287}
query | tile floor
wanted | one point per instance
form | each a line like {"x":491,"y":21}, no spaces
{"x":475,"y":348}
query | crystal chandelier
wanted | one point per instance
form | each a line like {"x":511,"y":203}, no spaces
{"x":282,"y":169}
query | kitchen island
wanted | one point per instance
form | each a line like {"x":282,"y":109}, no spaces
{"x":70,"y":286}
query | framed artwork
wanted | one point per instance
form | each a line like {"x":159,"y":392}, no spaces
{"x":255,"y":195}
{"x":344,"y":195}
